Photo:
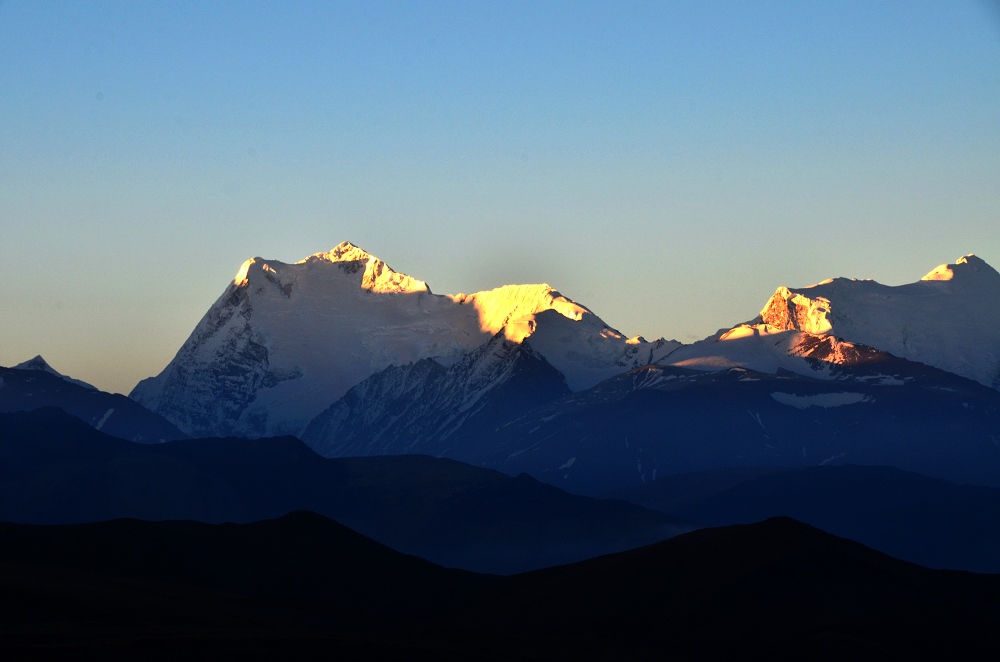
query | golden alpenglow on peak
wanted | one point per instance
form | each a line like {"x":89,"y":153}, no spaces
{"x":345,"y":251}
{"x":967,"y":265}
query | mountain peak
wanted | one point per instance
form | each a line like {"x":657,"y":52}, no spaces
{"x":378,"y":276}
{"x":967,"y":266}
{"x":284,"y":340}
{"x":345,"y":251}
{"x":38,"y":363}
{"x":950,"y":319}
{"x":374,"y":274}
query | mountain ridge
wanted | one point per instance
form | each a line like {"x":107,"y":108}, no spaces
{"x":58,"y":470}
{"x":38,"y":363}
{"x":284,"y":341}
{"x":420,"y":405}
{"x":949,"y":319}
{"x":34,"y":388}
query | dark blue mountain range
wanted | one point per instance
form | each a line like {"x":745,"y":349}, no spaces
{"x":55,"y":469}
{"x":912,"y":517}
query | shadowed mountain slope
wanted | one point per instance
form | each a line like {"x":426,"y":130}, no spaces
{"x":301,"y":556}
{"x":665,"y":420}
{"x":427,"y":408}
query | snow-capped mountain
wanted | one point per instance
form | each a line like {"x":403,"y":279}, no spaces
{"x":38,"y":363}
{"x":284,"y":341}
{"x":869,"y":407}
{"x":764,"y":348}
{"x":812,"y":399}
{"x":950,"y":319}
{"x":418,"y":407}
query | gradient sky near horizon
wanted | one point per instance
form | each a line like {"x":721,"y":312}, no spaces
{"x":667,"y":164}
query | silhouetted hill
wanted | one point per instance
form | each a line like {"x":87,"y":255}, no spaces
{"x":301,"y":556}
{"x":307,"y":586}
{"x":924,"y":520}
{"x":778,"y":589}
{"x":301,"y":586}
{"x":55,"y":469}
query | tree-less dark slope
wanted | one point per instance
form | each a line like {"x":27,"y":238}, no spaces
{"x":675,"y":491}
{"x":300,"y":586}
{"x":116,"y":415}
{"x":927,"y":521}
{"x":305,"y":585}
{"x":301,"y":556}
{"x":777,"y":589}
{"x":55,"y":469}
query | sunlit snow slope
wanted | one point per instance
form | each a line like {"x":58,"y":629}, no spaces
{"x":950,"y":319}
{"x":284,"y":341}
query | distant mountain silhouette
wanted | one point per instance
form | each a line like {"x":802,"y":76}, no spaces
{"x":924,"y":520}
{"x":26,"y":389}
{"x":55,"y":469}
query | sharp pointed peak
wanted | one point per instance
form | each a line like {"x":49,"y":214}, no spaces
{"x":36,"y":363}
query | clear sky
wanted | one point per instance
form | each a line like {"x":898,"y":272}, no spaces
{"x":667,"y":164}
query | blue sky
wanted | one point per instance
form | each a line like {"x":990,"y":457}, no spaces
{"x":666,"y":164}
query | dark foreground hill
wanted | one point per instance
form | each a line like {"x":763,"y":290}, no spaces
{"x":307,"y":587}
{"x":56,"y":470}
{"x":916,"y":518}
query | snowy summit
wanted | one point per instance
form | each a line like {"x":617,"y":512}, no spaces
{"x":949,"y":319}
{"x":284,"y":341}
